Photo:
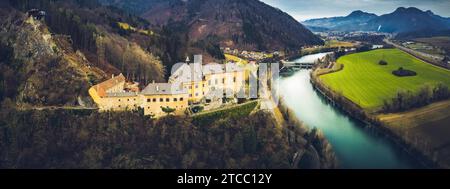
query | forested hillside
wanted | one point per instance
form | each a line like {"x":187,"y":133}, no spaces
{"x":247,"y":25}
{"x":53,"y":60}
{"x":85,"y":139}
{"x":86,"y":22}
{"x":37,"y":67}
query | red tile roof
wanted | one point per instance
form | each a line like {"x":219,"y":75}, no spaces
{"x":101,"y":88}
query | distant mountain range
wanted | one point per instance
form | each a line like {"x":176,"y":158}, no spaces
{"x":355,"y":20}
{"x":249,"y":24}
{"x":401,"y":21}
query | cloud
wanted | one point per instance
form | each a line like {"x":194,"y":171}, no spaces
{"x":307,"y":9}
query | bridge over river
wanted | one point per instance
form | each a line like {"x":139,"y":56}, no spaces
{"x":298,"y":65}
{"x":305,"y":62}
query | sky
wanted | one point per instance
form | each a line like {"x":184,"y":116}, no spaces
{"x":307,"y":9}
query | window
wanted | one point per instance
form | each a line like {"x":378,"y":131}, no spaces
{"x":120,"y":106}
{"x":154,"y":100}
{"x":134,"y":99}
{"x":196,"y":94}
{"x":119,"y":99}
{"x":190,"y":95}
{"x":175,"y":99}
{"x":167,"y":99}
{"x":148,"y":100}
{"x":234,"y":79}
{"x":128,"y":100}
{"x":203,"y":85}
{"x":161,"y":100}
{"x":196,"y":86}
{"x":190,"y":87}
{"x":223,"y":80}
{"x":181,"y":99}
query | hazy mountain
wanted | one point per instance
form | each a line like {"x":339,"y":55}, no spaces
{"x":353,"y":21}
{"x":248,"y":24}
{"x":407,"y":20}
{"x":444,"y":19}
{"x":402,"y":20}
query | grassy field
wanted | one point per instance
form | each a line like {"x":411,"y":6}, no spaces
{"x":427,"y":128}
{"x":368,"y":84}
{"x":328,"y":44}
{"x":229,"y":57}
{"x":336,"y":43}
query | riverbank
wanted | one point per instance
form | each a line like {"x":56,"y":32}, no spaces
{"x":370,"y":119}
{"x":318,"y":150}
{"x":427,"y":128}
{"x":355,"y":145}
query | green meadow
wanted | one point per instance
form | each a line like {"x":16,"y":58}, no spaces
{"x":367,"y":83}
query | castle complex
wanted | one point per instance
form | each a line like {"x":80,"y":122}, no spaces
{"x":189,"y":84}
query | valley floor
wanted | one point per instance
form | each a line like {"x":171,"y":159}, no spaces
{"x":426,"y":128}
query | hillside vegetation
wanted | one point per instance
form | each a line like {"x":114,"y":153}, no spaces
{"x":250,"y":24}
{"x":90,"y":25}
{"x":84,"y":139}
{"x":54,"y":60}
{"x":36,"y":69}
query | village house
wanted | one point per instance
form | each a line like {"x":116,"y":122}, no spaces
{"x":446,"y":60}
{"x":193,"y":83}
{"x":377,"y":46}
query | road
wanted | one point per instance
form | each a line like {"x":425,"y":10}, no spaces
{"x":41,"y":108}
